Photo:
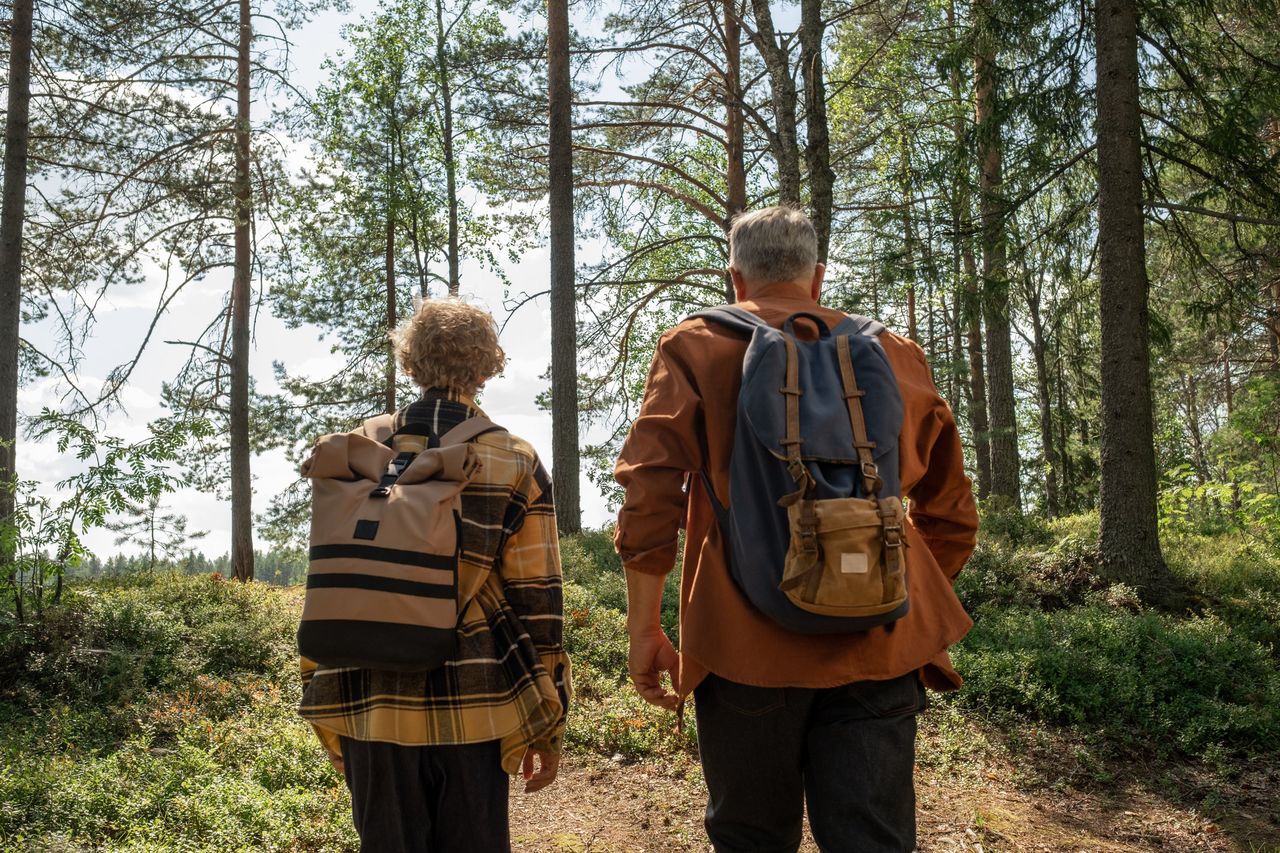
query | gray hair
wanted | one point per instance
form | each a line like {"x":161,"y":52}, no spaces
{"x":773,"y":244}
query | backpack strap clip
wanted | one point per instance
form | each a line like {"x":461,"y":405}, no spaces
{"x":394,"y":469}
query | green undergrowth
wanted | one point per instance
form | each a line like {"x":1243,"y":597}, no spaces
{"x":157,"y":712}
{"x":1055,"y":642}
{"x":609,"y":718}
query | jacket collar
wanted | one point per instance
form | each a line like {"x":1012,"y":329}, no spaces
{"x":452,"y":395}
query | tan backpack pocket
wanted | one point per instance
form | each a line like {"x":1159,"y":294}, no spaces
{"x":845,"y":557}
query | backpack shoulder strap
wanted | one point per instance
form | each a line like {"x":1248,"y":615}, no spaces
{"x":469,"y":429}
{"x":738,"y":319}
{"x":856,"y":324}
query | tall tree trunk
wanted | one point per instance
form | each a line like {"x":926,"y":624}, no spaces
{"x":1044,"y":399}
{"x":734,"y":122}
{"x":566,"y":462}
{"x":957,"y":361}
{"x":12,"y":214}
{"x":393,"y":318}
{"x":241,"y":478}
{"x":1067,"y":485}
{"x":1005,"y":480}
{"x":817,"y":150}
{"x":969,"y":311}
{"x":909,"y":255}
{"x":1192,"y":402}
{"x":1129,"y":541}
{"x":450,"y":161}
{"x":977,"y":375}
{"x":783,"y":89}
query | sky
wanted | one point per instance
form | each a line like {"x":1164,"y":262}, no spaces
{"x":508,"y":399}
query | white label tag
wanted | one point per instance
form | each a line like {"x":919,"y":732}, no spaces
{"x":853,"y":564}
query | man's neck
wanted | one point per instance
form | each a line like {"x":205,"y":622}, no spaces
{"x":780,"y":290}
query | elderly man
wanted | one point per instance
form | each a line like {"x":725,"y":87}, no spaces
{"x":786,"y":718}
{"x":426,"y":754}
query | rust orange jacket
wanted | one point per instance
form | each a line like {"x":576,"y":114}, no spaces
{"x":686,"y":423}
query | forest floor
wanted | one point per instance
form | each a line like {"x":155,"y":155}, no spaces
{"x":610,"y":806}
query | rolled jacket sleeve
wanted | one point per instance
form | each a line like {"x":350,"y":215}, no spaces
{"x":662,"y":449}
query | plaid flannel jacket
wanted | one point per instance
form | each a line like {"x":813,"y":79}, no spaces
{"x":509,"y":679}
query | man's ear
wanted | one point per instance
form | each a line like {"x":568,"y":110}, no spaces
{"x":739,"y":284}
{"x":815,"y":287}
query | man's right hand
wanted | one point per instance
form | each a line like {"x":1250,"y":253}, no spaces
{"x":651,"y":655}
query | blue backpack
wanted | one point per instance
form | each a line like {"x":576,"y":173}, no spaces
{"x":813,"y":529}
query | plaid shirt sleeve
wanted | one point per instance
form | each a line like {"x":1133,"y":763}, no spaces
{"x":530,"y":571}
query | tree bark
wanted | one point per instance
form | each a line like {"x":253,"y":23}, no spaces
{"x":1005,"y":466}
{"x":977,"y":375}
{"x":783,"y":90}
{"x":566,"y":461}
{"x":817,"y":150}
{"x":909,"y":256}
{"x":450,"y":161}
{"x":735,"y":123}
{"x":1129,"y":539}
{"x":389,"y":373}
{"x":1044,"y":399}
{"x":969,"y":312}
{"x":1067,"y":486}
{"x":241,"y":477}
{"x":12,"y":214}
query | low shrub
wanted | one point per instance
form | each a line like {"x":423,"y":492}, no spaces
{"x":1061,"y":571}
{"x":594,"y":634}
{"x":591,"y":563}
{"x":1189,"y":684}
{"x":257,"y":781}
{"x":610,"y":718}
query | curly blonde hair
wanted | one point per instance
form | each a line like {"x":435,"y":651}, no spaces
{"x":450,"y":344}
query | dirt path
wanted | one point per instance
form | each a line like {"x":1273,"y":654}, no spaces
{"x":602,"y":806}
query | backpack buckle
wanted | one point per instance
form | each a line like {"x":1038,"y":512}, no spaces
{"x":394,"y":469}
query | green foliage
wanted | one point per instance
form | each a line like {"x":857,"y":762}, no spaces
{"x":590,"y":562}
{"x":250,"y":779}
{"x":45,"y":535}
{"x":610,"y":718}
{"x":157,"y":711}
{"x":1055,"y":568}
{"x":119,"y":641}
{"x":1238,"y":578}
{"x":1148,"y":680}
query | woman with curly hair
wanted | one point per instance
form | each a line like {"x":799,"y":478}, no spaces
{"x":427,"y":754}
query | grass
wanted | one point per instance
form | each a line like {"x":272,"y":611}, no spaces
{"x":156,"y":712}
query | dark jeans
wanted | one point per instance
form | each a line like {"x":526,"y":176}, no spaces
{"x":427,"y":799}
{"x":848,"y":751}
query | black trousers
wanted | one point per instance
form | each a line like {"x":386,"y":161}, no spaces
{"x":849,"y":752}
{"x":427,"y":799}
